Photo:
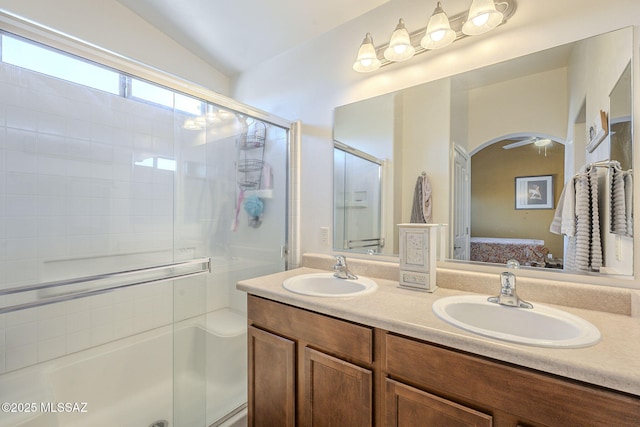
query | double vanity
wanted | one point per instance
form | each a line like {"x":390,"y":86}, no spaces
{"x":382,"y":355}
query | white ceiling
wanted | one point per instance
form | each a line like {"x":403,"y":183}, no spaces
{"x":234,"y":35}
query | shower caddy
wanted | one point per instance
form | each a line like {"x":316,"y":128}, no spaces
{"x":250,"y":163}
{"x":250,"y":168}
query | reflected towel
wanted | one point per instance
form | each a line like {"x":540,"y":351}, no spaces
{"x":595,"y":254}
{"x":564,"y":220}
{"x":618,"y":223}
{"x":628,"y":192}
{"x":583,"y":223}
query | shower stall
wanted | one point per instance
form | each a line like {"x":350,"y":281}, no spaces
{"x":129,"y":208}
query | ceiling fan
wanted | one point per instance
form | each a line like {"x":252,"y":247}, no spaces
{"x":537,"y":141}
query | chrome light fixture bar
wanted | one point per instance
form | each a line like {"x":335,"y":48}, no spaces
{"x":441,"y":31}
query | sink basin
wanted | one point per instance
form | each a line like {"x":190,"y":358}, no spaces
{"x":325,"y":285}
{"x":541,"y":326}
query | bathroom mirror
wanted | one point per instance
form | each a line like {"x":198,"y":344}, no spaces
{"x":441,"y":127}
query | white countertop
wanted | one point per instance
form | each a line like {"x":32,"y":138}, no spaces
{"x":614,"y":362}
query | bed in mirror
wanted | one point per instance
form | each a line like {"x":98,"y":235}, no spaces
{"x":498,"y":146}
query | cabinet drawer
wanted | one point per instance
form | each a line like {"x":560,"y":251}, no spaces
{"x":326,"y":333}
{"x":408,"y":406}
{"x":531,"y":396}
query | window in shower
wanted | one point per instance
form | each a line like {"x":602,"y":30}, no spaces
{"x":52,"y":62}
{"x":36,"y":57}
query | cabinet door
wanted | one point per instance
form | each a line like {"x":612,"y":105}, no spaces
{"x":409,"y":407}
{"x":336,"y":393}
{"x":271,"y":379}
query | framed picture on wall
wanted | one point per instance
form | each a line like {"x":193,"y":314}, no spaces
{"x":534,"y":192}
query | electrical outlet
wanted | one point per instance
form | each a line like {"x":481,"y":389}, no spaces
{"x":324,"y":235}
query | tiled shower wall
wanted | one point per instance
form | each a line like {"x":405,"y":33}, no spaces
{"x":73,"y":203}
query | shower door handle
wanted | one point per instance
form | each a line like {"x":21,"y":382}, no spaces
{"x":59,"y":291}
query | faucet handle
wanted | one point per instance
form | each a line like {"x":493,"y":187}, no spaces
{"x":508,"y":283}
{"x":513,"y":263}
{"x":508,"y":295}
{"x":342,"y":271}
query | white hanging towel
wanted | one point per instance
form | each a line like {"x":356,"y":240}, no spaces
{"x":564,"y":220}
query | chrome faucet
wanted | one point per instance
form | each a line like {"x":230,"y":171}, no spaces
{"x":342,"y":270}
{"x":508,"y":295}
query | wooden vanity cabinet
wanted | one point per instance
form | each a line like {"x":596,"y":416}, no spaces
{"x":511,"y":396}
{"x":307,"y":369}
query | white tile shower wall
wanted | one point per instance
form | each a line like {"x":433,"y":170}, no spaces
{"x":73,"y":202}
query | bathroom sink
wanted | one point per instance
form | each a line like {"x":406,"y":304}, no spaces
{"x":325,"y":285}
{"x":541,"y":326}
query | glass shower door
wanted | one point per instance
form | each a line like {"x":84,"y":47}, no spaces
{"x":237,"y":216}
{"x":123,"y":230}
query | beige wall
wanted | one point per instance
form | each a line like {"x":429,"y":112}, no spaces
{"x":493,"y":213}
{"x":425,"y":146}
{"x":509,"y":107}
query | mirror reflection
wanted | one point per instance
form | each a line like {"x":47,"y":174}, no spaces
{"x":503,"y":148}
{"x":356,"y":179}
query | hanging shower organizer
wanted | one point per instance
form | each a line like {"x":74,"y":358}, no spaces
{"x":251,"y":173}
{"x":250,"y":165}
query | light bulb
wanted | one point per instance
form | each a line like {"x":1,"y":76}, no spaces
{"x":436,"y":36}
{"x":439,"y":33}
{"x":481,"y":19}
{"x":367,"y":59}
{"x":400,"y":48}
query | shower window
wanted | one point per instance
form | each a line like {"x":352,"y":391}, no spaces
{"x":35,"y":57}
{"x":51,"y":62}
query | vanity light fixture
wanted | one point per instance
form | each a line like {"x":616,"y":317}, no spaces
{"x":441,"y":31}
{"x":400,"y":48}
{"x":367,"y":59}
{"x":483,"y":16}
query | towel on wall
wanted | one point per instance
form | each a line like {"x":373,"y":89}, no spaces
{"x":421,"y":208}
{"x":426,"y":199}
{"x":416,"y":210}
